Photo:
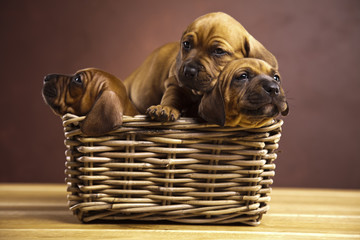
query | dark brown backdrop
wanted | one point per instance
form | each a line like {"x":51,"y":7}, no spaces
{"x":316,"y":43}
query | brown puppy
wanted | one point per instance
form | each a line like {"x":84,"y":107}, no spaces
{"x":174,"y":77}
{"x":91,"y":92}
{"x":248,"y":94}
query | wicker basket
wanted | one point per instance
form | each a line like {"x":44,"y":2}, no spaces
{"x":182,"y":171}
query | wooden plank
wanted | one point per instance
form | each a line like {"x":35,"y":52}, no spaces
{"x":63,"y":219}
{"x":315,"y":201}
{"x":40,"y":211}
{"x":75,"y":234}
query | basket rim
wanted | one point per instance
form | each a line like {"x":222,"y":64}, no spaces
{"x":143,"y":121}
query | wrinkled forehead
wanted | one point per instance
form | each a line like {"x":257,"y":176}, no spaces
{"x":96,"y":80}
{"x":219,"y":19}
{"x":87,"y":74}
{"x":216,"y":27}
{"x":250,"y":65}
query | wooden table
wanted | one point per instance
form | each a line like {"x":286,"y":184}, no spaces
{"x":34,"y":211}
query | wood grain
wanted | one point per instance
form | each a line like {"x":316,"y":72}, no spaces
{"x":39,"y":211}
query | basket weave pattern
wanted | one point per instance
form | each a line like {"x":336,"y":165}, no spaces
{"x":182,"y":171}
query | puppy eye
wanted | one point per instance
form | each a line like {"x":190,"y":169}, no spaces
{"x":243,"y":76}
{"x":219,"y":52}
{"x":186,"y":45}
{"x":77,"y":79}
{"x":277,"y":78}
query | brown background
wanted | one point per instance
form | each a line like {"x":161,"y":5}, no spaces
{"x":315,"y":42}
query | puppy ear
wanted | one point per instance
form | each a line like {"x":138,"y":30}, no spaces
{"x":212,"y":107}
{"x":286,"y":111}
{"x":254,"y":49}
{"x":105,"y":115}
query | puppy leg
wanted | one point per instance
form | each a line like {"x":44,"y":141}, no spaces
{"x":169,"y":108}
{"x":163,"y":113}
{"x":174,"y":100}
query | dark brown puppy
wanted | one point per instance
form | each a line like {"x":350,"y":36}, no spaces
{"x":174,"y":77}
{"x":248,"y":94}
{"x":91,"y":92}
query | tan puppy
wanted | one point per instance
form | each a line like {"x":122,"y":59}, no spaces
{"x":248,"y":94}
{"x":174,"y":77}
{"x":91,"y":92}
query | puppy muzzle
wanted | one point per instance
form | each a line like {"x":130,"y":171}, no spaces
{"x":266,"y":99}
{"x":49,"y":87}
{"x":49,"y":91}
{"x":194,"y":76}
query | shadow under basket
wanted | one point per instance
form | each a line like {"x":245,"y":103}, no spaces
{"x":183,"y":171}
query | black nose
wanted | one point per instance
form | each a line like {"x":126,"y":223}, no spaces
{"x":49,"y":77}
{"x":190,"y":71}
{"x":271,"y":88}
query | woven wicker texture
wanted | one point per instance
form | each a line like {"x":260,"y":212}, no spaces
{"x":181,"y":171}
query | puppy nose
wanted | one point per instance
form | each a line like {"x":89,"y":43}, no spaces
{"x":271,"y":88}
{"x":49,"y":77}
{"x":190,"y":71}
{"x":46,"y":78}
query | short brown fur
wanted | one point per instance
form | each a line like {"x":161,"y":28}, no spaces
{"x":250,"y":101}
{"x":97,"y":94}
{"x":173,"y":78}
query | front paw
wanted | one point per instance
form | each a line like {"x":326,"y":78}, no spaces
{"x":163,"y":113}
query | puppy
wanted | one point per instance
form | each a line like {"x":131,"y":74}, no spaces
{"x":248,"y":94}
{"x":173,"y":78}
{"x":91,"y":92}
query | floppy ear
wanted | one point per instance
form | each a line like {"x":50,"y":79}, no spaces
{"x":212,"y":107}
{"x":286,"y":111}
{"x":105,"y":115}
{"x":254,"y":49}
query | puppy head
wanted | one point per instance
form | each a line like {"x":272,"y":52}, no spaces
{"x":208,"y":44}
{"x":248,"y":94}
{"x":91,"y":92}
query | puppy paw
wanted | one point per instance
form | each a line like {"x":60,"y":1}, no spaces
{"x":163,"y":113}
